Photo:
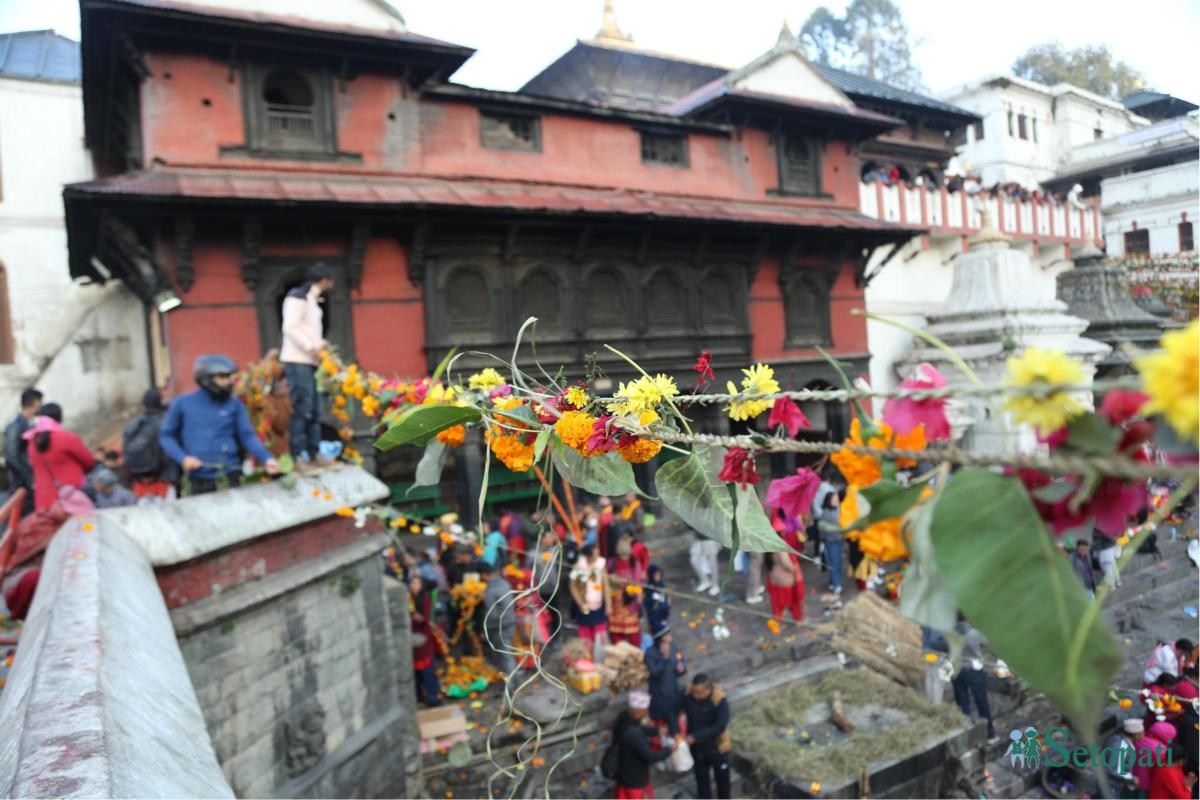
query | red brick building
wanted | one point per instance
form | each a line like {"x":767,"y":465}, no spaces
{"x":661,"y":206}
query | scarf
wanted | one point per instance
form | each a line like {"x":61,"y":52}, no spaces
{"x":628,"y":511}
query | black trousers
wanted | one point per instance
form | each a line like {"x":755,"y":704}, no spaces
{"x":196,"y":485}
{"x":716,"y":762}
{"x":970,"y":682}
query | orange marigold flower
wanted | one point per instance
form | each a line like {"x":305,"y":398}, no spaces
{"x":857,"y":468}
{"x":773,"y":626}
{"x":339,"y":402}
{"x":1125,"y":703}
{"x":636,"y":450}
{"x":345,"y":511}
{"x":453,"y":436}
{"x":513,"y":453}
{"x":574,"y":428}
{"x":881,"y":541}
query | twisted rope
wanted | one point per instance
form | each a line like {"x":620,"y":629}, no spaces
{"x":1115,"y":465}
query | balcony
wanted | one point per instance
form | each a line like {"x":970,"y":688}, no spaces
{"x":945,"y":213}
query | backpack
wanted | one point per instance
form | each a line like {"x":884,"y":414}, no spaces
{"x":143,"y":454}
{"x":610,"y":762}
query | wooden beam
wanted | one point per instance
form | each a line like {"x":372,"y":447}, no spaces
{"x":581,"y":244}
{"x":251,"y":250}
{"x":508,"y":247}
{"x":185,"y":272}
{"x":360,"y":235}
{"x":418,"y":252}
{"x":643,"y":249}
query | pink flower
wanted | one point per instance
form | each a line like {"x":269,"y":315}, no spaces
{"x":1121,"y":405}
{"x":1114,"y":503}
{"x":904,"y":414}
{"x":545,"y":411}
{"x":703,"y":368}
{"x":604,"y":436}
{"x":788,"y":414}
{"x":794,"y":494}
{"x":739,"y":468}
{"x":503,"y":390}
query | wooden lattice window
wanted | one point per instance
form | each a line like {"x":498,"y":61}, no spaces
{"x":664,"y":148}
{"x":1187,"y":240}
{"x":1137,"y":243}
{"x":799,"y":166}
{"x":510,"y":131}
{"x":289,"y":112}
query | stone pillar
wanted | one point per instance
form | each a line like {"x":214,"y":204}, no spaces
{"x":468,"y":465}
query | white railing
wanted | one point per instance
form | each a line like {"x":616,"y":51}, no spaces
{"x":944,"y":212}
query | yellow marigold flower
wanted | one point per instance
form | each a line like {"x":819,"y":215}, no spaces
{"x":486,"y":380}
{"x":1037,"y":367}
{"x":439,"y":394}
{"x":577,"y":397}
{"x":644,"y":394}
{"x":881,"y":541}
{"x":375,"y":383}
{"x":513,"y":453}
{"x":370,"y":406}
{"x":931,"y":658}
{"x":453,"y":436}
{"x":339,"y":402}
{"x":574,"y":428}
{"x":1172,"y":379}
{"x":507,"y":403}
{"x":638,"y":450}
{"x":345,"y":511}
{"x":760,"y":379}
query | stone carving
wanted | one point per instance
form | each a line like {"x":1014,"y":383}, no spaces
{"x":304,"y":738}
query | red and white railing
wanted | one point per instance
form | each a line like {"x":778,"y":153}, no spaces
{"x":959,"y":213}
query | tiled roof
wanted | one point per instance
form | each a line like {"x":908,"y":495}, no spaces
{"x":475,"y":193}
{"x":858,"y":86}
{"x":39,"y":56}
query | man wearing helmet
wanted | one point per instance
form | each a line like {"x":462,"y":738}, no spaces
{"x":207,"y":431}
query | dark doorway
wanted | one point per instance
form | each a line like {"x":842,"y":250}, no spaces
{"x":277,"y":278}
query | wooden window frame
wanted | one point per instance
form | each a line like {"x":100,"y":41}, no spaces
{"x":816,"y":161}
{"x":497,"y":114}
{"x":977,"y":130}
{"x":1139,"y":234}
{"x":819,"y":283}
{"x":260,"y":144}
{"x":1190,"y":239}
{"x":649,"y":136}
{"x":1022,"y":127}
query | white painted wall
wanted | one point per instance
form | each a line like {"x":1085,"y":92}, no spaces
{"x":84,"y":347}
{"x":790,"y":76}
{"x":1155,"y":200}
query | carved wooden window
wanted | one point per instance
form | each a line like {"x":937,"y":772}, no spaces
{"x":606,"y":306}
{"x":717,"y":298}
{"x":799,"y":166}
{"x":664,"y":148}
{"x":468,"y":300}
{"x":510,"y":131}
{"x":1137,"y":243}
{"x":806,"y":295}
{"x":665,"y":301}
{"x":1187,"y":240}
{"x":289,"y":111}
{"x":540,"y":295}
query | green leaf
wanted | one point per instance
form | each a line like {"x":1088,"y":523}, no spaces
{"x":288,"y":481}
{"x":539,"y":444}
{"x":445,"y":362}
{"x":523,"y":413}
{"x":1088,"y":433}
{"x":755,"y":534}
{"x":684,"y":487}
{"x":1013,"y":583}
{"x":286,"y":463}
{"x":927,"y":599}
{"x":429,"y":468}
{"x":421,"y":423}
{"x":888,"y":499}
{"x":1054,"y":492}
{"x":606,"y":474}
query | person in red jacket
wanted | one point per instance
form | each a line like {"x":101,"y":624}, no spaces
{"x":58,"y":457}
{"x":1168,"y":781}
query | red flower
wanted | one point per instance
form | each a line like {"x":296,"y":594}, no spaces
{"x":1056,"y":438}
{"x":794,"y":494}
{"x":904,"y":414}
{"x":788,"y":414}
{"x":704,"y":369}
{"x":739,"y":468}
{"x":604,"y":438}
{"x":1121,"y":405}
{"x":545,"y":411}
{"x":1057,"y":513}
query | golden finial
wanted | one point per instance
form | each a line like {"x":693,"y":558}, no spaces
{"x":610,"y":32}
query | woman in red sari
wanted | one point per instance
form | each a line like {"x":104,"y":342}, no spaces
{"x":625,"y":621}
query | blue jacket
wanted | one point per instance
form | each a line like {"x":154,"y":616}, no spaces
{"x":214,"y":431}
{"x":665,"y":692}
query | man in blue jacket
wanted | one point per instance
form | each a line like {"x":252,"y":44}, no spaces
{"x":207,"y":431}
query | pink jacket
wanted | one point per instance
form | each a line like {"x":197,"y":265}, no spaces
{"x":1156,"y":740}
{"x":302,"y":328}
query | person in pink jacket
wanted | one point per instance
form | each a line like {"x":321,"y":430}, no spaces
{"x":1157,"y":741}
{"x":59,"y":458}
{"x":303,"y":341}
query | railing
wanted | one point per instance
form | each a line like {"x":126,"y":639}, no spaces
{"x":294,"y":122}
{"x":957,"y":213}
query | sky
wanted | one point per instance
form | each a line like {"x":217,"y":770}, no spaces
{"x":954,"y":43}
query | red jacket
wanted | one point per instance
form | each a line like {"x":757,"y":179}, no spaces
{"x":1167,"y":783}
{"x":67,"y":458}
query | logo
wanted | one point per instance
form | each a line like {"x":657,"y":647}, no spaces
{"x":1027,"y":751}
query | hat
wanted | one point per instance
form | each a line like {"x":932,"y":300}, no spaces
{"x":639,"y":700}
{"x":664,"y":630}
{"x":104,"y":477}
{"x":1134,"y":726}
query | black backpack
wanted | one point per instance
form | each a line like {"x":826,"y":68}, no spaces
{"x":143,"y":454}
{"x":610,"y":762}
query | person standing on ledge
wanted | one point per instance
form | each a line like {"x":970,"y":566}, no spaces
{"x":206,"y":431}
{"x":303,"y":341}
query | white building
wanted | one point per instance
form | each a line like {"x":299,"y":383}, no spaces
{"x":84,"y":347}
{"x":1149,"y":185}
{"x":1029,"y":130}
